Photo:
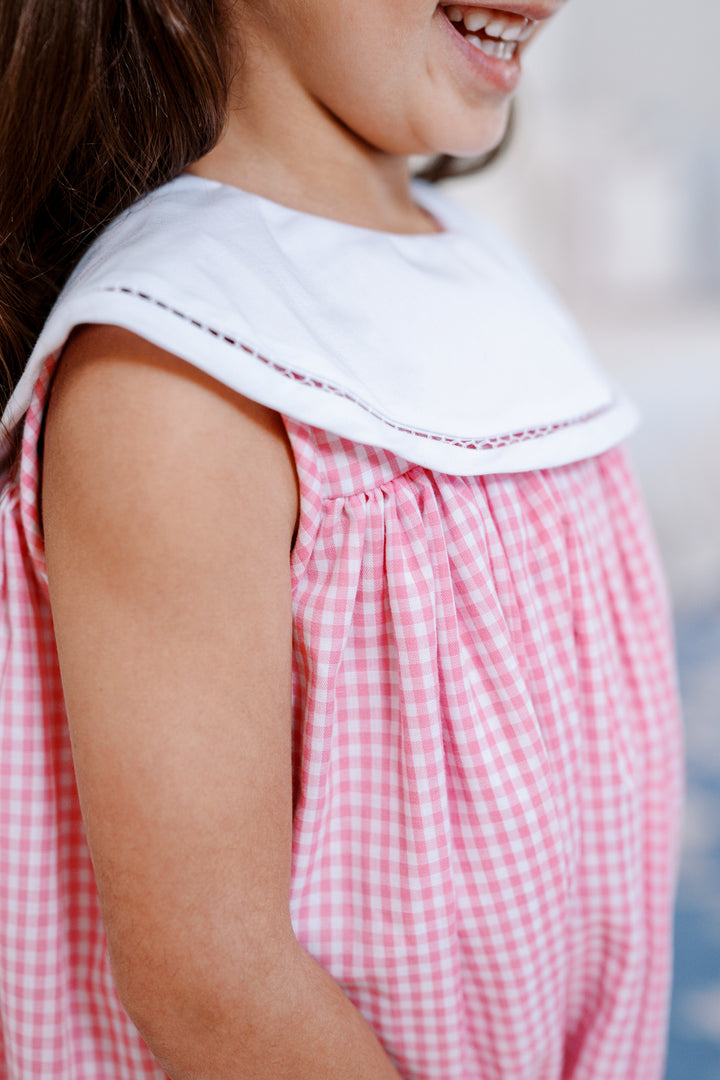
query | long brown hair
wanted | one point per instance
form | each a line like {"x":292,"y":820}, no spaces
{"x":101,"y":101}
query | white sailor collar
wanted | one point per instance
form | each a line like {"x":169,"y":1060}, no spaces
{"x":442,"y":348}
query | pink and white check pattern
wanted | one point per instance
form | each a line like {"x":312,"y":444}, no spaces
{"x":487,"y":766}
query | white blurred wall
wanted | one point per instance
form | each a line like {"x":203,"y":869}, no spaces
{"x":648,"y":53}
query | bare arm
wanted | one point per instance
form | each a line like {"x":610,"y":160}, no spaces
{"x":169,"y":505}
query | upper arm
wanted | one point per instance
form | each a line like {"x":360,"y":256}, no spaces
{"x":169,"y":504}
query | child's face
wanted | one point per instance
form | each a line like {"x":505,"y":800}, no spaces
{"x":402,"y":74}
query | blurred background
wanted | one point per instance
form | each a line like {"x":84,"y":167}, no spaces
{"x":612,"y":187}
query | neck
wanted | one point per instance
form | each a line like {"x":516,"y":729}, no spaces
{"x":288,"y":148}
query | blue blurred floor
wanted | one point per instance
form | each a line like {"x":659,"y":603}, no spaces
{"x":695,"y":1024}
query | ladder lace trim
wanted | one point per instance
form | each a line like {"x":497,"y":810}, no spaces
{"x":476,"y":442}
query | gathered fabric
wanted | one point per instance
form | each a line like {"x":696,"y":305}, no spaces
{"x":486,"y":766}
{"x":488,"y":762}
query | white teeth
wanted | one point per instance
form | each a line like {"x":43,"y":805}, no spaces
{"x":501,"y":50}
{"x":476,"y":20}
{"x":511,"y":29}
{"x":513,"y":32}
{"x":495,"y":28}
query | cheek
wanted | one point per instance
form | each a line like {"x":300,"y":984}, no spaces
{"x":396,"y":90}
{"x":382,"y":73}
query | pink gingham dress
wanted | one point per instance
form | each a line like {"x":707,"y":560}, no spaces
{"x":486,"y":738}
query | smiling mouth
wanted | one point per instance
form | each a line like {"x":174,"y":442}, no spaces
{"x":495,"y":33}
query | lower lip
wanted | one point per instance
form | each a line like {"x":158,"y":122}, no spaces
{"x":502,"y":75}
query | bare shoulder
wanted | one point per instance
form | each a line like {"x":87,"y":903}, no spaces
{"x":126,"y":413}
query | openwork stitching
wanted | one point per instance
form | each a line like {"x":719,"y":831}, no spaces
{"x":490,"y":442}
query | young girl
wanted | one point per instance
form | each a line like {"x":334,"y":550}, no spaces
{"x":332,"y":630}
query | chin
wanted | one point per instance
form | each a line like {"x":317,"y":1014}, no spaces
{"x":476,"y":137}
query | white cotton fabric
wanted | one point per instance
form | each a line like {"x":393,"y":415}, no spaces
{"x":442,"y":348}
